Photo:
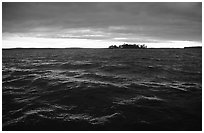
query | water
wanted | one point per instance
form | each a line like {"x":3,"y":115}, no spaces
{"x":102,"y":89}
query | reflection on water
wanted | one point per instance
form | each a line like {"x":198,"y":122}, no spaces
{"x":102,"y":89}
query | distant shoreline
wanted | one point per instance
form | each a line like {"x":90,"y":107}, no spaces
{"x":193,"y":47}
{"x":197,"y":47}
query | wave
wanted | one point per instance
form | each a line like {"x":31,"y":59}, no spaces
{"x":79,"y":65}
{"x":139,"y":98}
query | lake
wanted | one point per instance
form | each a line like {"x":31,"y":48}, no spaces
{"x":102,"y":89}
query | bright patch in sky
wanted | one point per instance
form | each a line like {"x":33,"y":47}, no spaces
{"x":31,"y":42}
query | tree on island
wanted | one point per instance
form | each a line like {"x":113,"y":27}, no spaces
{"x":128,"y":46}
{"x":113,"y":47}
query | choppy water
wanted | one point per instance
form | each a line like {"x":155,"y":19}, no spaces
{"x":102,"y":89}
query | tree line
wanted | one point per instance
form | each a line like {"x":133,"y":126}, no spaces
{"x":128,"y":46}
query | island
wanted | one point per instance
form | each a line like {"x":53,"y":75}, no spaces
{"x":128,"y":46}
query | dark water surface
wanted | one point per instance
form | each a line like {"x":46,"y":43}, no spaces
{"x":102,"y":89}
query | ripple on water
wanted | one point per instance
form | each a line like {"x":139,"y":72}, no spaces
{"x":139,"y":98}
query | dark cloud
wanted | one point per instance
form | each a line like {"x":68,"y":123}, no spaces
{"x":164,"y":21}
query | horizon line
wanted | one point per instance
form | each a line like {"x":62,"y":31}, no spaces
{"x":99,"y":48}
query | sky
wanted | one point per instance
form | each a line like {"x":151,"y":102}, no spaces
{"x":101,"y":24}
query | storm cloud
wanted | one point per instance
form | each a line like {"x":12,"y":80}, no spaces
{"x":129,"y":21}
